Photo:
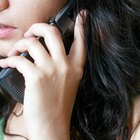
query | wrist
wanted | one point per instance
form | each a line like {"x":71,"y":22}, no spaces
{"x":51,"y":131}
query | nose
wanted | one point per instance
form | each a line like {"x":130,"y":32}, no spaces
{"x":3,"y":4}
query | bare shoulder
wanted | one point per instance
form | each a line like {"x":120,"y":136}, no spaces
{"x":135,"y":135}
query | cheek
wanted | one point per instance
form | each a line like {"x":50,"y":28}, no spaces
{"x":5,"y":47}
{"x":26,"y":21}
{"x":26,"y":16}
{"x":35,"y":11}
{"x":7,"y":44}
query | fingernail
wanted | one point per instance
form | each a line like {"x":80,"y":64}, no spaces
{"x":82,"y":16}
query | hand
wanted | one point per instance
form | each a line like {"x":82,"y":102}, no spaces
{"x":51,"y":81}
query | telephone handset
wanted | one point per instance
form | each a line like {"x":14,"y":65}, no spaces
{"x":11,"y":80}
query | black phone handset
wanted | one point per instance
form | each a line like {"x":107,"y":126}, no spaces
{"x":11,"y":80}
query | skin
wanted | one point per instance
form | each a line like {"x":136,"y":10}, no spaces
{"x":53,"y":79}
{"x":23,"y":15}
{"x":135,"y":117}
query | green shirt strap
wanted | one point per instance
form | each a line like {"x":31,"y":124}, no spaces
{"x":1,"y":128}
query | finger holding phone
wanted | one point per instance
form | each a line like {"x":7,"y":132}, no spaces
{"x":51,"y":82}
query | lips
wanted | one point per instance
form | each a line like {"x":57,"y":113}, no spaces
{"x":6,"y":31}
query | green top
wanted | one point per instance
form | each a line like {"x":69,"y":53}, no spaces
{"x":1,"y":128}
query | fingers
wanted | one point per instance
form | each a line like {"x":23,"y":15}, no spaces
{"x":22,"y":64}
{"x":52,"y":38}
{"x":78,"y":53}
{"x":34,"y":48}
{"x":55,"y":46}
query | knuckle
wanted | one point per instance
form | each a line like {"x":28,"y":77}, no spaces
{"x":79,"y":73}
{"x":38,"y":77}
{"x":33,"y":26}
{"x":20,"y":58}
{"x":65,"y":69}
{"x":51,"y":72}
{"x":54,"y":30}
{"x":32,"y":39}
{"x":70,"y":72}
{"x":31,"y":43}
{"x":42,"y":76}
{"x":19,"y":43}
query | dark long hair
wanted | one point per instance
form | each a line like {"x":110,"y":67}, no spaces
{"x":112,"y":70}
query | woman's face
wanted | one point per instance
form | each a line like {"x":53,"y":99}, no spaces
{"x":17,"y":16}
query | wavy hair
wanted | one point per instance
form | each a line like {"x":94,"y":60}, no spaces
{"x":112,"y":70}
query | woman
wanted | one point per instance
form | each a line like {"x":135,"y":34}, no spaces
{"x":91,"y":93}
